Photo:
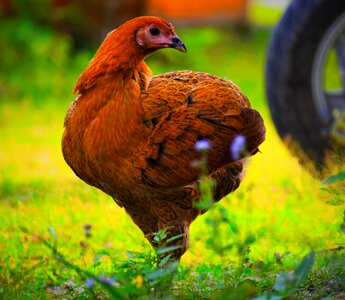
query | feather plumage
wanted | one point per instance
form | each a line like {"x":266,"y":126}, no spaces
{"x":133,"y":135}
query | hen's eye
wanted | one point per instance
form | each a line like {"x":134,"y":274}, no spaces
{"x":154,"y":31}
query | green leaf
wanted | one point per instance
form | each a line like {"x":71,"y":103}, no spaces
{"x":164,"y":261}
{"x":54,"y":236}
{"x":336,"y":201}
{"x":99,"y":255}
{"x":287,"y":283}
{"x":52,"y":232}
{"x":162,"y":274}
{"x":304,"y":269}
{"x":234,"y":227}
{"x":156,"y":239}
{"x":342,"y":225}
{"x":282,"y":282}
{"x":339,"y":177}
{"x":159,"y":236}
{"x":163,"y":250}
{"x":130,"y":254}
{"x":250,"y":239}
{"x":176,"y":237}
{"x":337,"y":195}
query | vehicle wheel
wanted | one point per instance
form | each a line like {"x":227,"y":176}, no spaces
{"x":305,"y":77}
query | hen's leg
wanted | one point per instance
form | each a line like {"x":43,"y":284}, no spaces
{"x":178,"y":229}
{"x":147,"y":222}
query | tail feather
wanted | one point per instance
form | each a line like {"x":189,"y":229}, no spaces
{"x":254,"y":129}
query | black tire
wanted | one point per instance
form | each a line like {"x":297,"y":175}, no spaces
{"x":289,"y":68}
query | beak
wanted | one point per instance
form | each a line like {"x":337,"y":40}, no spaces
{"x":177,"y":44}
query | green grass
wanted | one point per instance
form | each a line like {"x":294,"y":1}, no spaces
{"x":277,"y":216}
{"x":264,"y":15}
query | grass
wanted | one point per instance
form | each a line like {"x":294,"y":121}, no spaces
{"x":239,"y":249}
{"x":264,"y":15}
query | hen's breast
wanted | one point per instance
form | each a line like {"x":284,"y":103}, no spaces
{"x":184,"y":107}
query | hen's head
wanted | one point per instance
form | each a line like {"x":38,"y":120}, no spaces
{"x":154,"y":33}
{"x":148,"y":34}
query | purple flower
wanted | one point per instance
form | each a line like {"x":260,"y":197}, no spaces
{"x":238,"y":147}
{"x":202,"y":145}
{"x":90,"y":282}
{"x":107,"y":280}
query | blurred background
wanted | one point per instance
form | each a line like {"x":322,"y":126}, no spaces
{"x":56,"y":37}
{"x":92,"y":19}
{"x":45,"y":44}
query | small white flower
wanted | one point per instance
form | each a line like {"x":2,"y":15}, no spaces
{"x":238,"y":147}
{"x":202,"y":145}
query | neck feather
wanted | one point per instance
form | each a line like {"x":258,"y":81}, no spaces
{"x":119,"y":53}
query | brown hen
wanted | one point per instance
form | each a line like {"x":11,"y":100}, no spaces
{"x":133,"y":135}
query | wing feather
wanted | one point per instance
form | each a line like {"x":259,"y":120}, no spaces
{"x":184,"y":107}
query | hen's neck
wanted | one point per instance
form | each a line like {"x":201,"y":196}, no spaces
{"x":119,"y":55}
{"x":110,"y":90}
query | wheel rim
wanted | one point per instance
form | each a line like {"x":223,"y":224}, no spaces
{"x":327,"y":100}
